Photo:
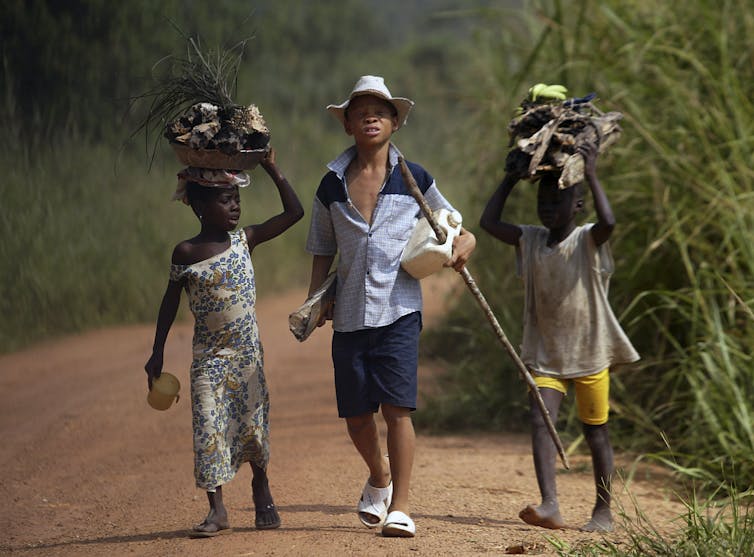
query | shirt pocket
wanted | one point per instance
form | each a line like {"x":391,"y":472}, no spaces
{"x":401,"y":217}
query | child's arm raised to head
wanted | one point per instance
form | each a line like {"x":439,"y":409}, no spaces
{"x":292,"y":209}
{"x":165,"y":318}
{"x":602,"y":230}
{"x":491,"y":217}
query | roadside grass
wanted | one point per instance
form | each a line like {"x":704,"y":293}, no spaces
{"x":88,"y":231}
{"x":720,"y":524}
{"x":680,"y":182}
{"x":88,"y":226}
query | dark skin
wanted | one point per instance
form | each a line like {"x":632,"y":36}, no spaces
{"x":557,"y":209}
{"x":219,"y":214}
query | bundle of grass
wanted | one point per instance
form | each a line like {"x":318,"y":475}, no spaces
{"x":193,"y":106}
{"x":548,"y":130}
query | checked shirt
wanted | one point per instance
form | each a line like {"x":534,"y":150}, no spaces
{"x":373,"y":290}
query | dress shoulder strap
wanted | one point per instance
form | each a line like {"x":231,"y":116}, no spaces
{"x":239,"y":237}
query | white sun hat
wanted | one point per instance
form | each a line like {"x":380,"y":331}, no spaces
{"x":373,"y":85}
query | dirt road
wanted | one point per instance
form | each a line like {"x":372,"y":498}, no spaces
{"x":89,"y":469}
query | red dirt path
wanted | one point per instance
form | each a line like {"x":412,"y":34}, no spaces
{"x":89,"y":469}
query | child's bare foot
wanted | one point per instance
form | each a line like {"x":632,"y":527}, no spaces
{"x":215,"y":524}
{"x":602,"y":521}
{"x":545,"y":516}
{"x":265,"y":514}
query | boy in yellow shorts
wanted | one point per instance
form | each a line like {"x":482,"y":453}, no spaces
{"x":570,"y":332}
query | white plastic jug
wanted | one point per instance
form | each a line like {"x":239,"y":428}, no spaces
{"x":424,"y":255}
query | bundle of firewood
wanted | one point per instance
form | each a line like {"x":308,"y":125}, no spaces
{"x":231,"y":130}
{"x":545,"y":136}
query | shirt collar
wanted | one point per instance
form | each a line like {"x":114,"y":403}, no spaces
{"x":341,"y":162}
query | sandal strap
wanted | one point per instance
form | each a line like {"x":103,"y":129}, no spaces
{"x":375,"y":501}
{"x":377,"y":493}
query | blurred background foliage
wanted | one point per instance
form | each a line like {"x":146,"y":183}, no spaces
{"x":87,"y":224}
{"x":87,"y":227}
{"x":680,"y":182}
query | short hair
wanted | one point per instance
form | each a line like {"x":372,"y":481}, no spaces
{"x":196,"y":192}
{"x":549,"y":178}
{"x":553,"y":177}
{"x":578,"y":189}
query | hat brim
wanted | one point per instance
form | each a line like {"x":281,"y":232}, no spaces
{"x":402,"y":106}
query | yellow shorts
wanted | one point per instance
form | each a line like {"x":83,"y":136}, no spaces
{"x":592,"y":393}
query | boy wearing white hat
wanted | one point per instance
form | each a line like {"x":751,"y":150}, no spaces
{"x":363,"y":212}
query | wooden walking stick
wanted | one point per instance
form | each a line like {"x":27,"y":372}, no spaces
{"x":471,"y":283}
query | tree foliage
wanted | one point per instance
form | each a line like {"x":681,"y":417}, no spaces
{"x":77,"y":62}
{"x":72,"y":191}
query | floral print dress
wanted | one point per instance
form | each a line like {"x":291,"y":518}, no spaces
{"x":229,"y":397}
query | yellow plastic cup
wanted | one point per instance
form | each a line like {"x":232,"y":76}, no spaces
{"x":164,"y":390}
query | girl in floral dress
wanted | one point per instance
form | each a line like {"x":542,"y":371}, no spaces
{"x":229,"y":397}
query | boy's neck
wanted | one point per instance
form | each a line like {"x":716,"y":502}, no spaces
{"x":557,"y":235}
{"x":371,"y":157}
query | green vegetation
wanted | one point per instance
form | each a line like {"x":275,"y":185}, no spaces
{"x":720,"y":526}
{"x":86,"y":220}
{"x":88,"y":228}
{"x":81,"y":243}
{"x":680,"y":182}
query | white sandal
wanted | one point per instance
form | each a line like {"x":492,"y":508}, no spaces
{"x":398,"y":525}
{"x":374,"y":504}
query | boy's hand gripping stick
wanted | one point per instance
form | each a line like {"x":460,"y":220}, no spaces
{"x":471,"y":283}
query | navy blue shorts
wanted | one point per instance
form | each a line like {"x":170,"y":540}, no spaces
{"x":377,"y":366}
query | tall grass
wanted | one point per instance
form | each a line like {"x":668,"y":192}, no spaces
{"x":680,"y":182}
{"x":88,"y":228}
{"x":721,"y":525}
{"x":88,"y":231}
{"x":80,"y":245}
